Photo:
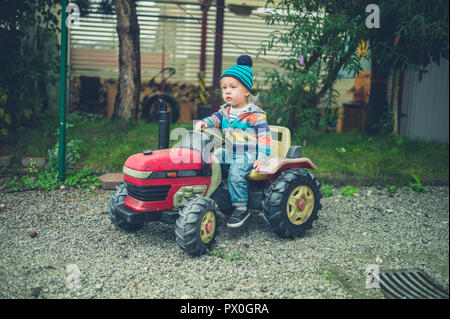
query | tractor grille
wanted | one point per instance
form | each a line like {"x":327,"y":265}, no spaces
{"x":148,"y":193}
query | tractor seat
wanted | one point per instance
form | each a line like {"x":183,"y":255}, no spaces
{"x":279,"y":146}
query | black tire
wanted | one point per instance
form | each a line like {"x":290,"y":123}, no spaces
{"x":117,"y":198}
{"x":222,"y":198}
{"x":188,"y":229}
{"x":150,"y":111}
{"x":276,"y":199}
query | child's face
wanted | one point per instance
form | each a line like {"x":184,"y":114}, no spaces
{"x":233,"y":92}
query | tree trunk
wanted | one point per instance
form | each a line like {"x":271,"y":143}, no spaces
{"x":292,"y":121}
{"x":377,"y":100}
{"x":395,"y":98}
{"x":127,"y":99}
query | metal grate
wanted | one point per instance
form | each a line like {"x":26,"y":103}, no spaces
{"x":410,"y":284}
{"x":148,"y":193}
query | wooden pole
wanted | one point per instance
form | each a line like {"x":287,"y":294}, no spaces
{"x":396,"y":86}
{"x":201,"y":74}
{"x":218,"y":55}
{"x":205,"y":8}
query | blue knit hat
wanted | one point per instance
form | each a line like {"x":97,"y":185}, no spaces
{"x":241,"y":71}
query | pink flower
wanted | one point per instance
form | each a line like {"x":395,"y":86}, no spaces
{"x":301,"y":60}
{"x":279,"y":120}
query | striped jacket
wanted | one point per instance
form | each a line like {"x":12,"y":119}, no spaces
{"x":248,"y":133}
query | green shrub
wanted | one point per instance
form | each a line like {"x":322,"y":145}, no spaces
{"x":326,"y":190}
{"x":232,"y":255}
{"x":3,"y":170}
{"x":78,"y":117}
{"x":417,"y":186}
{"x":48,"y":181}
{"x":349,"y":191}
{"x":12,"y":183}
{"x":391,"y":188}
{"x":71,"y":156}
{"x":84,"y":179}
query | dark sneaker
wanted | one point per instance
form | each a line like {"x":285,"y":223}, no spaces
{"x":238,"y":218}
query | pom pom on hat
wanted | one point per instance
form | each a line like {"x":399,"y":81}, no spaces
{"x":244,"y":60}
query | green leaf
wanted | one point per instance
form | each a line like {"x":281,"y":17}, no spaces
{"x":349,"y":191}
{"x":416,"y":178}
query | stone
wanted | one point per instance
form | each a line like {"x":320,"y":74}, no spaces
{"x":5,"y":160}
{"x":39,"y":161}
{"x":35,"y":291}
{"x":111,"y":180}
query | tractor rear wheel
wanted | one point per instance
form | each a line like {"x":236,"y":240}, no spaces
{"x":117,"y":198}
{"x":150,"y":108}
{"x":291,"y":203}
{"x":196,"y":226}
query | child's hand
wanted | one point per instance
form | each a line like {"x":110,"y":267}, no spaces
{"x":199,"y":125}
{"x":257,"y":165}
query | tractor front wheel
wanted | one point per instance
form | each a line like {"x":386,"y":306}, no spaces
{"x":291,"y":203}
{"x":196,"y":226}
{"x":117,"y":198}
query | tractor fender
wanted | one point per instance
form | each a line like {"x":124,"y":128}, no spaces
{"x":275,"y":165}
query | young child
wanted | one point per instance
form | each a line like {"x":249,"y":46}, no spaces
{"x":246,"y":134}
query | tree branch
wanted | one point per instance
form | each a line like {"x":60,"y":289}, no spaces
{"x":332,"y":75}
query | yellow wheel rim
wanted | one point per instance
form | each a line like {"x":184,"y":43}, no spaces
{"x":300,"y":205}
{"x":207,"y":227}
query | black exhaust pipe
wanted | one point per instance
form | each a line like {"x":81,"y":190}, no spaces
{"x":164,"y":124}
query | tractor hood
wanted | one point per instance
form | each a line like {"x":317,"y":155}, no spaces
{"x":173,"y":159}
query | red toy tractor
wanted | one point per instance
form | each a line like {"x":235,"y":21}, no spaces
{"x":185,"y":185}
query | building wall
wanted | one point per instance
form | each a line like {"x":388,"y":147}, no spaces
{"x":94,"y":41}
{"x":425,"y":104}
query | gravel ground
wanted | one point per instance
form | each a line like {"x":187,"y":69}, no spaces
{"x":406,"y":230}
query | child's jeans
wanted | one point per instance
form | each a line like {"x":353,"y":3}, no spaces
{"x":239,"y":164}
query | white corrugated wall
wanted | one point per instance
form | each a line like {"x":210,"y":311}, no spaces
{"x":94,"y":42}
{"x":425,"y":104}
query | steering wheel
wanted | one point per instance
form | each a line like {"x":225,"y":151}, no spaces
{"x":216,"y":138}
{"x":213,"y":133}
